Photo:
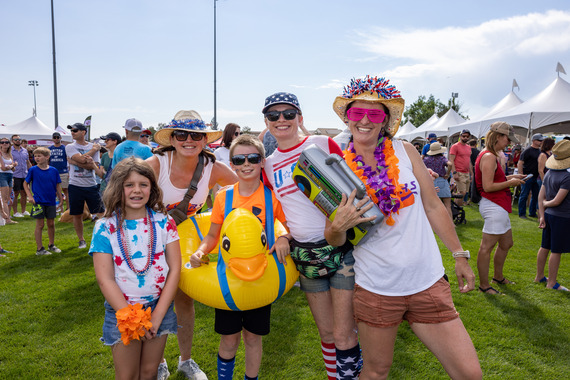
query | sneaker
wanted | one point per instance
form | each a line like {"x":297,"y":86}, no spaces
{"x":82,"y":244}
{"x":163,"y":372}
{"x":191,"y":370}
{"x":26,"y":213}
{"x":42,"y":252}
{"x":18,"y":215}
{"x":54,"y":249}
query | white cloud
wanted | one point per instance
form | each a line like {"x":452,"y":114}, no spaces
{"x":464,"y":49}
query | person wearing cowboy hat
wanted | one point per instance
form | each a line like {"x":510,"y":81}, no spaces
{"x":183,"y":141}
{"x":339,"y":344}
{"x":554,"y":215}
{"x":399,"y":270}
{"x":436,"y":161}
{"x":131,"y":146}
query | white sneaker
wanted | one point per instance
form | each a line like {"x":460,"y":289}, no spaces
{"x":26,"y":213}
{"x":163,"y":371}
{"x":18,"y":215}
{"x":191,"y":370}
{"x":82,"y":244}
{"x":54,"y":249}
{"x":42,"y":252}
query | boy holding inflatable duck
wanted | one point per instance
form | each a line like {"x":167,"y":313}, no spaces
{"x":247,"y":160}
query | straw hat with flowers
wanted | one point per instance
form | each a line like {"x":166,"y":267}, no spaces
{"x":375,"y":90}
{"x":186,"y":121}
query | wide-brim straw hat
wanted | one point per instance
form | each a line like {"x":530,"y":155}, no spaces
{"x":375,"y":90}
{"x":186,"y":121}
{"x":560,"y":158}
{"x":436,"y":148}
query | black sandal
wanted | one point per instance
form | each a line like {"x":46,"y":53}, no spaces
{"x":504,"y":281}
{"x":486,"y":290}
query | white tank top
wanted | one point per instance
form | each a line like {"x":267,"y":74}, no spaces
{"x":172,"y":195}
{"x":402,"y":259}
{"x":7,"y":162}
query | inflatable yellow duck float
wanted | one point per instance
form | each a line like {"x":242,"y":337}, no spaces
{"x":248,"y":277}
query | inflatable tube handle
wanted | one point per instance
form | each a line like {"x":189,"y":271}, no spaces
{"x":352,"y":177}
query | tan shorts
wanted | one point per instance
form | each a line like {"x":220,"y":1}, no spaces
{"x":64,"y":180}
{"x":462,"y":182}
{"x":433,"y":305}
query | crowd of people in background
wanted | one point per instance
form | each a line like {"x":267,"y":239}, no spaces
{"x":123,"y":173}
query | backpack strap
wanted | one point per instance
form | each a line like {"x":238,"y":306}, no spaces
{"x":221,"y":266}
{"x":270,"y":234}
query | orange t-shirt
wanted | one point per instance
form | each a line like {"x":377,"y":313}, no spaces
{"x":254,"y":203}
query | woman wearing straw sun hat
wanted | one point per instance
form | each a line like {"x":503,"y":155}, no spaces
{"x":436,"y":161}
{"x":183,"y":144}
{"x":399,"y":271}
{"x":554,"y":215}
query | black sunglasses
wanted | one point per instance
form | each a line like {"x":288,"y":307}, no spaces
{"x":17,"y":140}
{"x":237,"y":134}
{"x":287,"y":114}
{"x":252,"y":158}
{"x":75,"y":130}
{"x":145,"y":135}
{"x":56,"y":137}
{"x":183,"y":135}
{"x":4,"y":142}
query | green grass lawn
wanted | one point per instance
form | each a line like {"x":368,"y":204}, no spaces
{"x":51,"y":312}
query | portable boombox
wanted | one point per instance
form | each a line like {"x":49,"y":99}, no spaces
{"x":323,"y":178}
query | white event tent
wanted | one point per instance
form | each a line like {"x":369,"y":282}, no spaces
{"x":547,"y":111}
{"x":405,"y":129}
{"x":441,"y":127}
{"x":31,"y":129}
{"x":420,"y":131}
{"x":508,"y":102}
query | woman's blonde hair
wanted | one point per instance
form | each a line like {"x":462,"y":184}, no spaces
{"x":114,"y":196}
{"x":9,"y":151}
{"x":491,"y":140}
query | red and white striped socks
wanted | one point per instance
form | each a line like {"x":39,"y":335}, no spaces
{"x":329,"y":356}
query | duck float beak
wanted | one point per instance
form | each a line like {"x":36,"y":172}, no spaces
{"x":248,"y":269}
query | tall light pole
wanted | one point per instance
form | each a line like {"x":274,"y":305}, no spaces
{"x":215,"y":126}
{"x":34,"y":83}
{"x":54,"y":75}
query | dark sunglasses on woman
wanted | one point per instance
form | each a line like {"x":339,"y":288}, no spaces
{"x":183,"y":135}
{"x":287,"y":115}
{"x":4,"y":142}
{"x":252,"y":158}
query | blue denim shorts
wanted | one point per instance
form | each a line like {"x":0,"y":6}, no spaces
{"x":342,"y":279}
{"x":6,"y":179}
{"x":112,"y":336}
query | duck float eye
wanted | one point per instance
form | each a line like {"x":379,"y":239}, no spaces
{"x":263,"y":239}
{"x":226,"y":243}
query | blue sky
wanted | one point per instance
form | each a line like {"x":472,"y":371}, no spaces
{"x":149,"y":59}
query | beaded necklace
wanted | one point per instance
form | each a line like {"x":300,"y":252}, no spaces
{"x":382,"y":185}
{"x":124,"y":240}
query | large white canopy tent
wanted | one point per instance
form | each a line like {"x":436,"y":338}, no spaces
{"x":509,"y":101}
{"x":420,"y":131}
{"x":405,"y":129}
{"x":547,"y":111}
{"x":31,"y":129}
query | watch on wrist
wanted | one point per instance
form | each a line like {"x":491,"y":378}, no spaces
{"x":461,"y":254}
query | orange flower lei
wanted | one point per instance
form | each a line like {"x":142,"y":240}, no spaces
{"x":385,"y":193}
{"x":133,"y":322}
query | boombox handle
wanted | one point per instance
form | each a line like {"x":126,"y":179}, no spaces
{"x":360,"y":187}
